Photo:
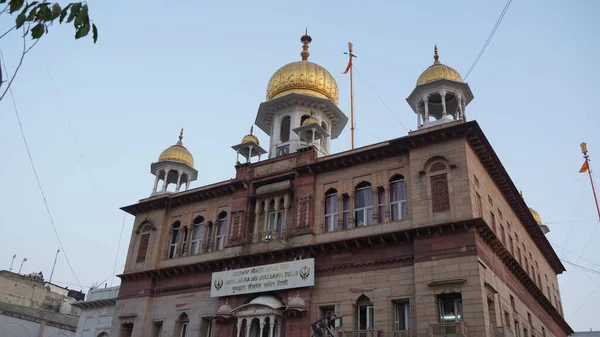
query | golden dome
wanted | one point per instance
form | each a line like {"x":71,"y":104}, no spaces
{"x":536,"y":216}
{"x":310,"y":120}
{"x":250,"y":137}
{"x":178,"y":153}
{"x":438,"y":71}
{"x":303,"y":77}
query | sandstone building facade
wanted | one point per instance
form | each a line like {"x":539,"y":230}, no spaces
{"x":422,"y":235}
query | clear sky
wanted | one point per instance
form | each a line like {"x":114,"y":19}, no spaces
{"x":161,"y":65}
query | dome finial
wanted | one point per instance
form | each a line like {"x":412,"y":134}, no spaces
{"x":306,"y":40}
{"x":251,"y":129}
{"x":436,"y":57}
{"x":180,"y":137}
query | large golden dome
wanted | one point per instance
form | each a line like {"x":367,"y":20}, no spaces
{"x":303,"y":77}
{"x":536,"y":216}
{"x":178,"y":153}
{"x":438,"y":71}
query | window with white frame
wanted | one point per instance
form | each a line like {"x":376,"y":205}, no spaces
{"x":363,"y":207}
{"x":197,"y":235}
{"x":450,"y":308}
{"x":364,"y":313}
{"x":398,"y":198}
{"x":381,"y":204}
{"x":401,"y":315}
{"x":174,"y":241}
{"x":284,"y":131}
{"x":331,"y":210}
{"x":221,"y":231}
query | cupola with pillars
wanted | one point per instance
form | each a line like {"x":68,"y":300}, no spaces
{"x":440,"y":96}
{"x":175,"y":165}
{"x":301,"y":107}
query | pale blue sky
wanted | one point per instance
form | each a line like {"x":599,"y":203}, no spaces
{"x":162,"y":65}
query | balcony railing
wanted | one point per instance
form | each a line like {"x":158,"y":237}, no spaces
{"x":448,"y":329}
{"x":400,"y":333}
{"x":361,"y":333}
{"x":502,"y":331}
{"x":264,"y":237}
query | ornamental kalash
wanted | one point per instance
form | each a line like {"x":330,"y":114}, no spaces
{"x":423,"y":235}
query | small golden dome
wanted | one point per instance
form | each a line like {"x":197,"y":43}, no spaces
{"x":438,"y":71}
{"x":536,"y":216}
{"x":250,"y":137}
{"x":178,"y":153}
{"x":303,"y":77}
{"x":310,"y":120}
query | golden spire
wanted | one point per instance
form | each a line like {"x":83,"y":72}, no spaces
{"x":251,"y":129}
{"x":306,"y":40}
{"x":435,"y":55}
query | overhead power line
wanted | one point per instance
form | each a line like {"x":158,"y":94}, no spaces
{"x":37,"y":178}
{"x":489,"y":39}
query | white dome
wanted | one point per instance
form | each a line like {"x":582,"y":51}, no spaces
{"x":269,"y":301}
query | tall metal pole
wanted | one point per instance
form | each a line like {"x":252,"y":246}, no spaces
{"x":12,"y":261}
{"x":350,"y":56}
{"x":24,"y":260}
{"x":589,"y":170}
{"x":54,"y":265}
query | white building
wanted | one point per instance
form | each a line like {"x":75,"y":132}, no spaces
{"x":97,"y":312}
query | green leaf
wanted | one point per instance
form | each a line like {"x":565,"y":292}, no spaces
{"x":82,"y":31}
{"x":82,"y":17}
{"x":44,"y":13}
{"x":55,"y":11}
{"x":32,"y":14}
{"x":74,"y":11}
{"x":95,"y":32}
{"x":20,"y":20}
{"x":64,"y":12}
{"x":37,"y":31}
{"x":15,"y":5}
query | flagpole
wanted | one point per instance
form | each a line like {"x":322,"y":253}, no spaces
{"x":350,"y":56}
{"x":589,"y":170}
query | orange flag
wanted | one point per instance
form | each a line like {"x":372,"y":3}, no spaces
{"x":585,"y":167}
{"x":349,"y":66}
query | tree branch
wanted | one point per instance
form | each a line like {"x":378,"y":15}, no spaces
{"x":23,"y":53}
{"x":8,"y":31}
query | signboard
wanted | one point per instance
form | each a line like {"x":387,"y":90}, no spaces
{"x":277,"y":276}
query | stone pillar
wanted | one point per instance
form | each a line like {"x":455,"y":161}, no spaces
{"x":286,"y":205}
{"x":386,"y":195}
{"x":164,"y":188}
{"x":155,"y":182}
{"x":187,"y":184}
{"x":272,"y":326}
{"x":266,"y":216}
{"x":262,"y":325}
{"x":443,"y":96}
{"x":239,"y":328}
{"x":375,"y":205}
{"x":276,"y":216}
{"x":340,"y":221}
{"x":256,"y":216}
{"x":237,"y":159}
{"x":248,"y":160}
{"x":178,"y":181}
{"x":459,"y":99}
{"x":351,"y":219}
{"x":426,"y":105}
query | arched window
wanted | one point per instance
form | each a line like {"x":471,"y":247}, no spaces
{"x":103,"y":334}
{"x":197,"y":236}
{"x":363,"y":207}
{"x":284,"y":131}
{"x":144,"y":242}
{"x":364,"y":313}
{"x":398,"y":197}
{"x":303,"y":118}
{"x":221,"y":231}
{"x":174,"y":240}
{"x":331,"y":210}
{"x":182,"y":325}
{"x":440,"y":195}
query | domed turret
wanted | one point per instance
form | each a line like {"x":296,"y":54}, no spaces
{"x":440,"y":96}
{"x":175,"y":166}
{"x":250,"y":137}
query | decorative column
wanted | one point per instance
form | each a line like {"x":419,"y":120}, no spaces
{"x":256,"y":216}
{"x":351,"y":223}
{"x":237,"y":159}
{"x":178,"y":181}
{"x":443,"y":96}
{"x":426,"y":105}
{"x":186,"y":248}
{"x":386,"y":192}
{"x":459,"y":99}
{"x":375,"y":205}
{"x":187,"y":184}
{"x":248,"y":326}
{"x":276,"y":217}
{"x":272,"y":326}
{"x":249,"y":153}
{"x":262,"y":322}
{"x":286,"y":205}
{"x":340,"y":211}
{"x":239,"y":327}
{"x":265,"y":227}
{"x":164,"y":188}
{"x":155,"y":182}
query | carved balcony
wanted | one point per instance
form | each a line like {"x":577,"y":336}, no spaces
{"x":266,"y":237}
{"x":401,"y":333}
{"x":458,"y":329}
